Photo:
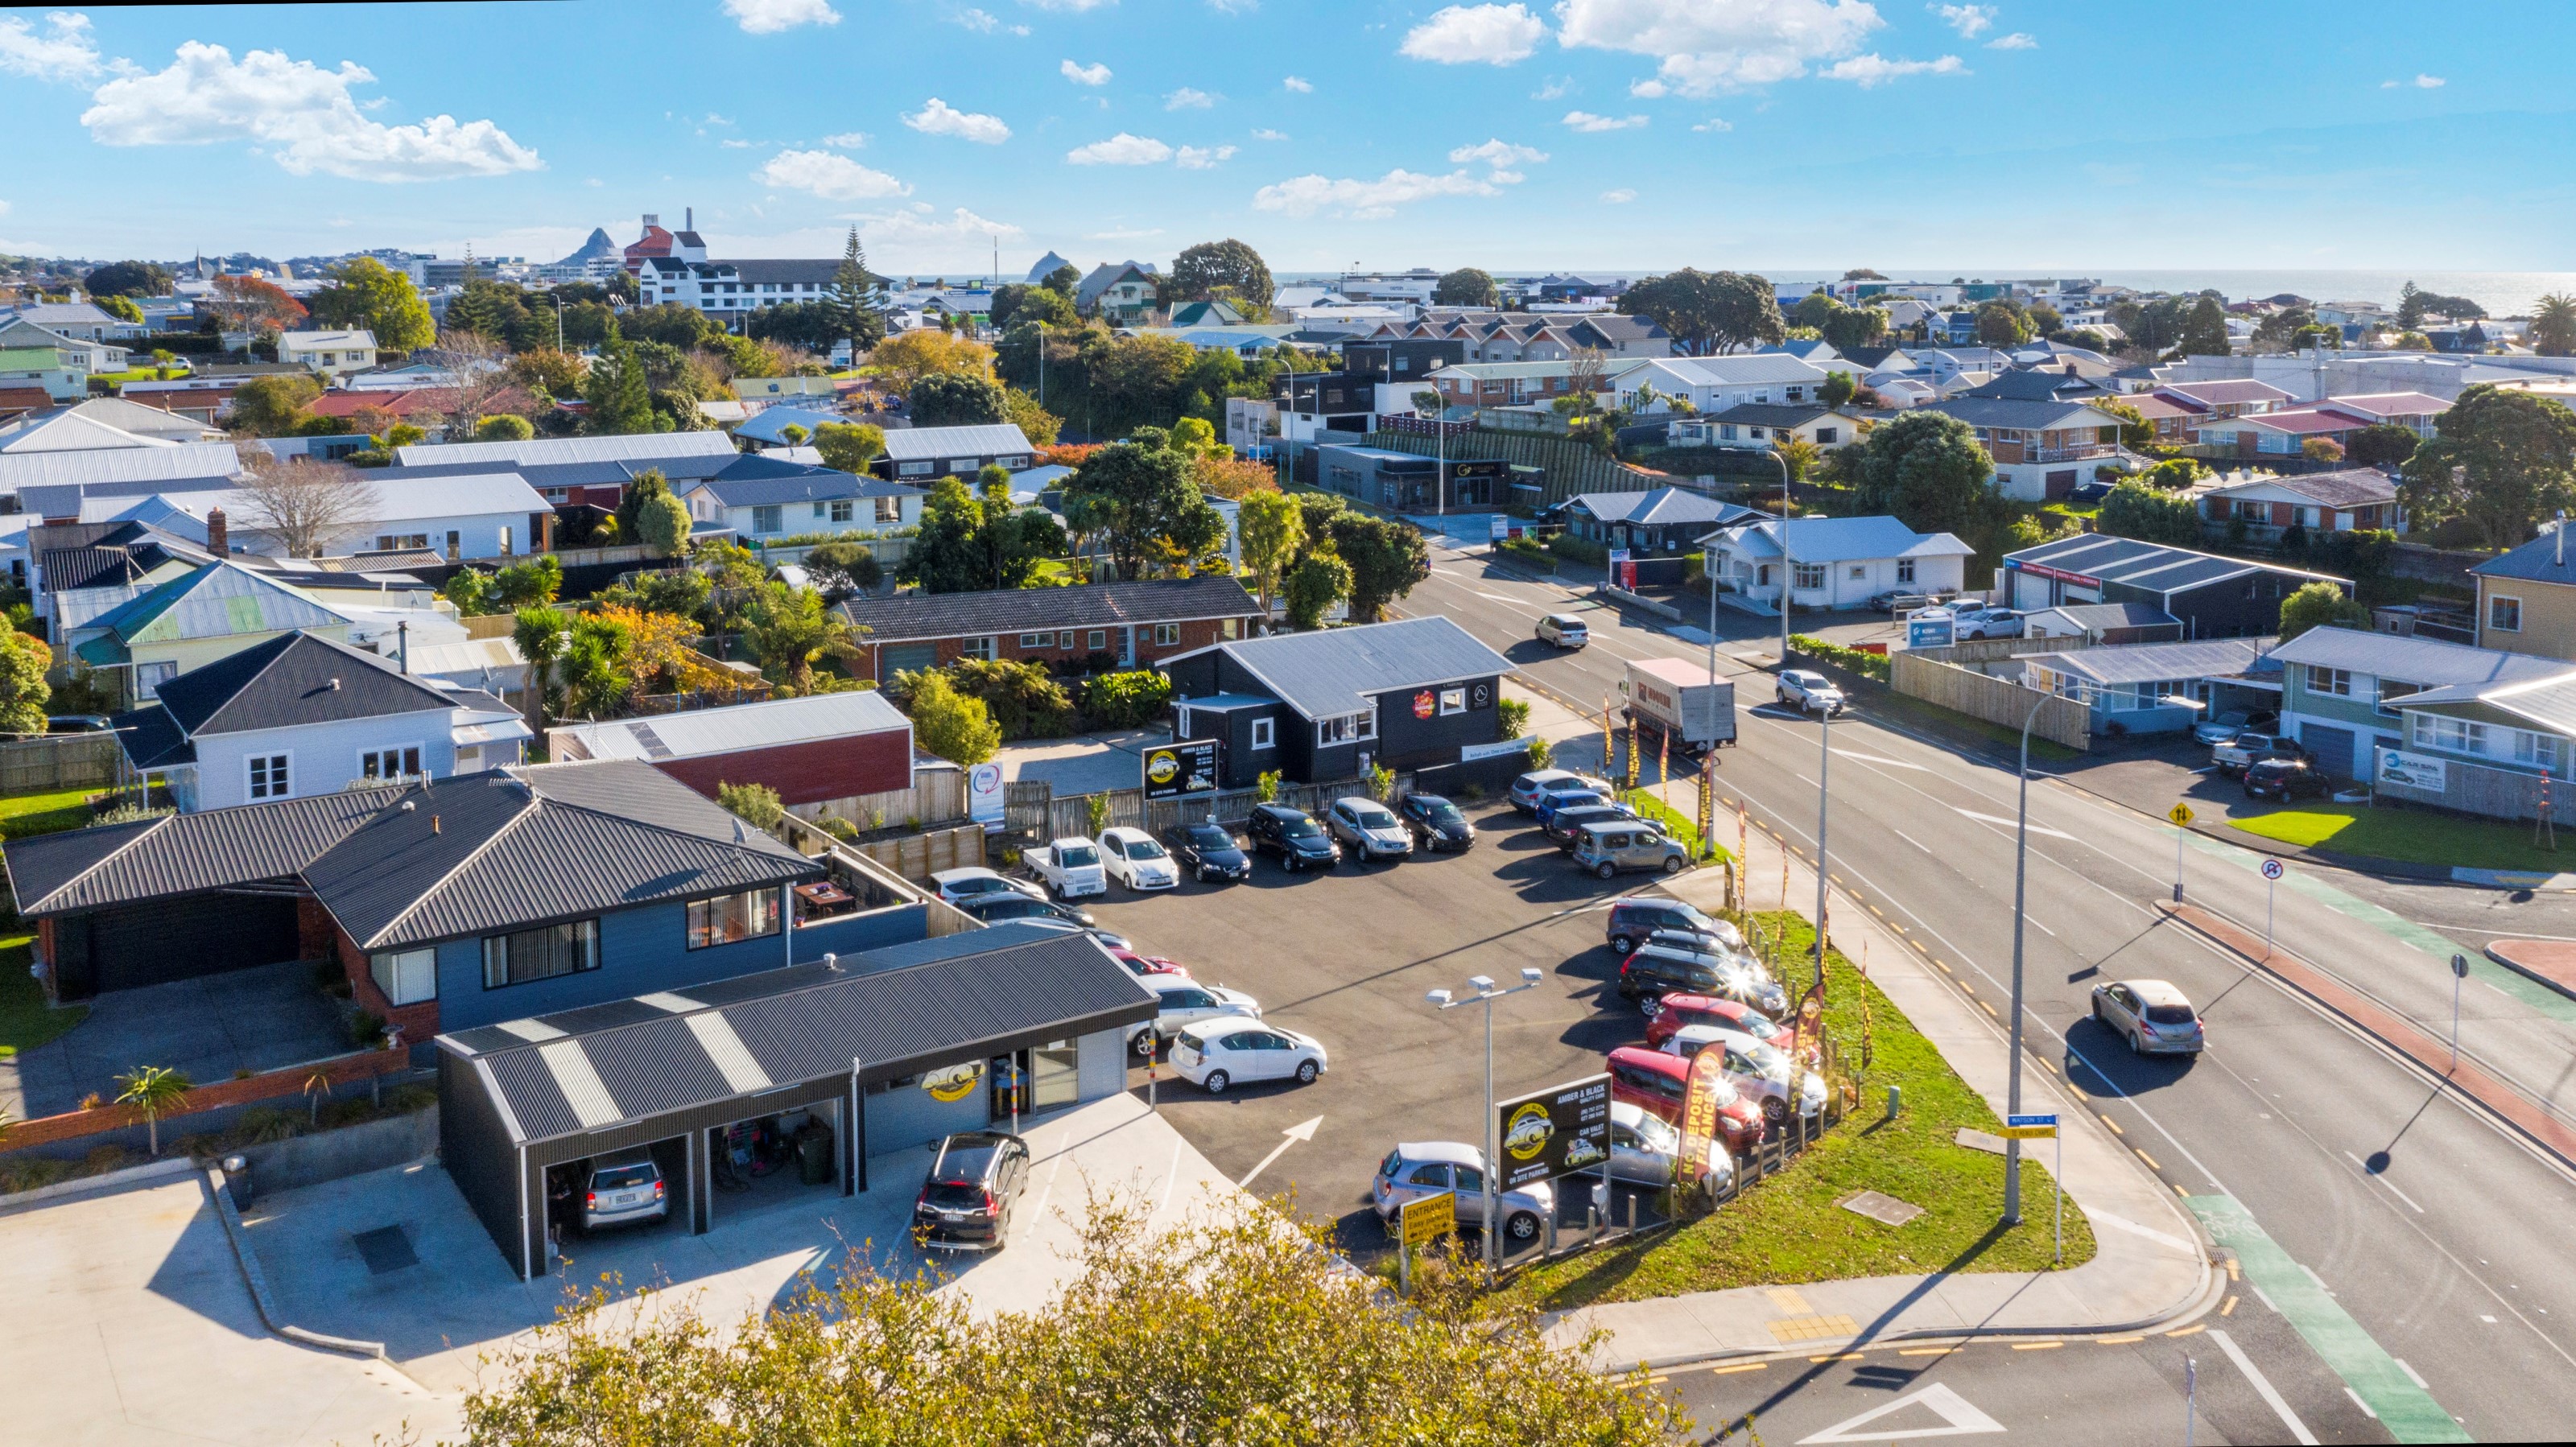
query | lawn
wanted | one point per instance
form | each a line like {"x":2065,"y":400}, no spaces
{"x":1789,"y":1227}
{"x":1676,"y":820}
{"x":25,"y":814}
{"x":2412,"y":836}
{"x":25,"y":1020}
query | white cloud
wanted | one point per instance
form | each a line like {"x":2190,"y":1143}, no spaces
{"x":1714,"y":124}
{"x":735,"y":145}
{"x":1875,"y":69}
{"x":1202,"y":158}
{"x":2420,"y":82}
{"x":302,"y":114}
{"x":1267,"y":134}
{"x":1299,"y":84}
{"x":1125,"y":233}
{"x":1466,"y":34}
{"x":1557,"y":88}
{"x":939,"y":118}
{"x":1077,"y":6}
{"x":2018,"y":40}
{"x":1970,"y":21}
{"x":1497,"y":153}
{"x":1620,"y":197}
{"x":1649,"y":89}
{"x":1234,"y":7}
{"x":1094,"y":74}
{"x":64,"y":52}
{"x":1366,"y":200}
{"x":1188,"y":99}
{"x":847,"y":140}
{"x":768,"y":17}
{"x":1121,"y":149}
{"x":834,"y":178}
{"x":1588,"y":123}
{"x":917,"y":224}
{"x":984,"y":22}
{"x":1705,"y":48}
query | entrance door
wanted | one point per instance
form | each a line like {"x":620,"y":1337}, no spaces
{"x":1055,"y":1074}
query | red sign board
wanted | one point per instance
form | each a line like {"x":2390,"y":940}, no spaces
{"x":2081,"y":580}
{"x":1424,"y":703}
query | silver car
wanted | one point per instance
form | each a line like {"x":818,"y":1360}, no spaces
{"x":1367,"y":829}
{"x":2152,"y":1015}
{"x":623,"y":1189}
{"x":1416,"y":1170}
{"x":1564,"y":630}
{"x":1809,"y":691}
{"x":1605,"y":848}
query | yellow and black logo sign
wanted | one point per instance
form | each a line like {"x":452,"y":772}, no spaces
{"x":1528,"y":1132}
{"x":1162,"y":766}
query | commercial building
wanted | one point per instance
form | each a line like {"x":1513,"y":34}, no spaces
{"x":2345,"y":694}
{"x":2211,"y":596}
{"x":1087,"y":629}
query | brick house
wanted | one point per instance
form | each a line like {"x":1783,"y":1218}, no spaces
{"x":1070,"y":630}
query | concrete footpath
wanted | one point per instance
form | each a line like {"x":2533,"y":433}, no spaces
{"x":2150,"y":1268}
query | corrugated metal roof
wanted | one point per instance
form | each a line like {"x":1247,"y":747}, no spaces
{"x":1741,"y":370}
{"x":1661,"y":505}
{"x":2157,"y":662}
{"x":908,"y":616}
{"x":183,"y":853}
{"x":183,"y":461}
{"x":640,"y":448}
{"x":2537,"y":561}
{"x":1843,"y":540}
{"x":2152,"y":566}
{"x":2020,"y":415}
{"x":2548,"y":703}
{"x":217,"y":601}
{"x":1329,"y":673}
{"x":803,"y":1024}
{"x":2427,"y":661}
{"x":915,"y":444}
{"x":741,"y":726}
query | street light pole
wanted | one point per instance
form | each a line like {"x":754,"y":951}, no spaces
{"x":2021,"y":877}
{"x":1824,"y":776}
{"x":1788,"y":565}
{"x":1486,"y":995}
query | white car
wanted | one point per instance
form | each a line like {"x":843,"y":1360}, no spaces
{"x":1564,"y":630}
{"x":1758,"y":1068}
{"x":2156,"y":1018}
{"x":1367,"y":829}
{"x":1069,"y":868}
{"x":1183,"y":1002}
{"x":1811,"y":691}
{"x":1992,"y":623}
{"x":1216,"y":1053}
{"x":957,"y":886}
{"x":1134,"y":859}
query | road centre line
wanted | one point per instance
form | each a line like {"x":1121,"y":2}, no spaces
{"x":2383,"y":1180}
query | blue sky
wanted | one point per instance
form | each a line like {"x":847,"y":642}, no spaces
{"x":1781,"y":134}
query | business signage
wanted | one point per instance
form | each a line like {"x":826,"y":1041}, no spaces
{"x":1470,"y":753}
{"x":1187,"y":767}
{"x":1428,"y":1219}
{"x":1502,"y":525}
{"x":1699,"y":1112}
{"x":984,"y":796}
{"x":955,"y":1082}
{"x":2414,"y":771}
{"x":2081,"y":580}
{"x":1937,"y":631}
{"x":1426,"y":703}
{"x":1559,"y":1130}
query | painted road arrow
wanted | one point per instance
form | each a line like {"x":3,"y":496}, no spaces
{"x":1303,"y":1130}
{"x":1959,"y":1418}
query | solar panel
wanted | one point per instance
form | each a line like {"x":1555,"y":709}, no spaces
{"x":654,"y":748}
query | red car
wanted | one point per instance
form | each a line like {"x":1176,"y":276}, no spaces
{"x":1148,"y":964}
{"x":1656,"y":1083}
{"x":1681,"y":1010}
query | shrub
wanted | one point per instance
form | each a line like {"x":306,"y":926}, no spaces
{"x":1020,"y":696}
{"x":367,"y":1030}
{"x":1125,"y":700}
{"x":262,"y":1125}
{"x":1381,"y":783}
{"x":1580,"y":550}
{"x":1871,"y":665}
{"x":103,"y":1159}
{"x":1513,"y":716}
{"x":1265,"y":787}
{"x":1539,"y":752}
{"x":1526,"y":549}
{"x":1096,"y":811}
{"x":755,"y":804}
{"x":838,"y":827}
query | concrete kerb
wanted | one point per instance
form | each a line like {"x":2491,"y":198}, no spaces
{"x":99,"y":1184}
{"x":2495,"y":951}
{"x":257,"y":1281}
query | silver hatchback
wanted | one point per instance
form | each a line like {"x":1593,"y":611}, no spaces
{"x":623,"y":1189}
{"x":1604,"y":849}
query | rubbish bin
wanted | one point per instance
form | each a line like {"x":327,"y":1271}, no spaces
{"x":814,"y":1157}
{"x":237,"y":1180}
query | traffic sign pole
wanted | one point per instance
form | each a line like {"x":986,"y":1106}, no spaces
{"x":2273,"y":869}
{"x":2459,"y":972}
{"x":2181,"y":816}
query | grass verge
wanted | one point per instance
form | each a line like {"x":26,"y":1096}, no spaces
{"x":25,"y":814}
{"x":2410,"y":836}
{"x":1676,"y":823}
{"x":26,"y":1021}
{"x":1790,"y":1229}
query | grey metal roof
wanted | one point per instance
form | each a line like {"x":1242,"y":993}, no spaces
{"x":643,"y":449}
{"x":1660,"y":505}
{"x":936,"y":444}
{"x":2025,"y":416}
{"x":2548,"y":703}
{"x":178,"y":854}
{"x":2345,"y":487}
{"x":2426,"y":661}
{"x":913,"y":616}
{"x":2112,"y":615}
{"x":1332,"y":671}
{"x":815,"y":484}
{"x":294,"y":678}
{"x":613,"y":1065}
{"x":2157,"y":662}
{"x":2152,"y":566}
{"x":1846,"y":540}
{"x":774,"y":723}
{"x":2537,"y":561}
{"x":185,"y":461}
{"x":1769,"y":414}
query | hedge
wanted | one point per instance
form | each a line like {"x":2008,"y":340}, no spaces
{"x":1868,"y":665}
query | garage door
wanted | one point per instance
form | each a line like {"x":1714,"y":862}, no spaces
{"x":2333,"y":748}
{"x":154,"y":944}
{"x":897,"y":658}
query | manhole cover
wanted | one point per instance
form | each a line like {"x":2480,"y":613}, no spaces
{"x":1883,"y":1208}
{"x":387,"y":1249}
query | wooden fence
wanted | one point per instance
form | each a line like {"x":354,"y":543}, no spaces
{"x":919,"y":856}
{"x":1916,"y":674}
{"x":60,"y":761}
{"x":2478,"y":789}
{"x":285,"y":1082}
{"x":937,"y":796}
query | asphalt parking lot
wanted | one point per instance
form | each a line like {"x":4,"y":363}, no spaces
{"x":1346,"y":957}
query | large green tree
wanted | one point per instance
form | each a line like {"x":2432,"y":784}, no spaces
{"x":2320,"y":605}
{"x":2204,"y":329}
{"x":1226,"y":269}
{"x":789,"y":630}
{"x":364,"y":292}
{"x":2002,"y":322}
{"x":849,"y":446}
{"x":23,"y":690}
{"x":1466,"y":287}
{"x":1273,"y":530}
{"x":852,"y":294}
{"x":1025,"y":301}
{"x":1386,"y":560}
{"x":970,"y":543}
{"x":2499,"y":459}
{"x":1137,"y":498}
{"x":1708,"y":311}
{"x":2382,"y":444}
{"x":2553,"y":325}
{"x":1927,"y":469}
{"x":954,"y":399}
{"x":130,"y":278}
{"x":274,"y":406}
{"x":619,"y":397}
{"x":2135,"y":510}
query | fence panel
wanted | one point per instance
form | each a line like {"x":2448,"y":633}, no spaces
{"x":919,"y":856}
{"x":60,"y":761}
{"x":936,"y":797}
{"x":1995,"y":700}
{"x":2477,"y":789}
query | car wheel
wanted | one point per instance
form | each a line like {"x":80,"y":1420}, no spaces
{"x":1776,"y":1111}
{"x":1521,"y":1226}
{"x":1288,"y":862}
{"x":1216,"y":1082}
{"x":2097,"y":1013}
{"x":2136,"y":1045}
{"x":1623,"y":944}
{"x":1672,"y":864}
{"x":1783,"y":699}
{"x":1146,"y":1044}
{"x":1604,"y":870}
{"x":1307,"y":1070}
{"x":1651,"y":1006}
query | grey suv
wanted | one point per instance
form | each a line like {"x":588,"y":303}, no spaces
{"x":1367,"y":829}
{"x":1607,"y":848}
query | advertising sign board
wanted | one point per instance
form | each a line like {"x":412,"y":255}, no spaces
{"x":1554,"y":1131}
{"x":2414,"y":771}
{"x":1188,"y":767}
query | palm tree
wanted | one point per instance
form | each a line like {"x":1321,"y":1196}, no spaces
{"x":155,"y":1090}
{"x":542,"y":635}
{"x":787,"y":629}
{"x":1799,"y":455}
{"x":2553,"y":325}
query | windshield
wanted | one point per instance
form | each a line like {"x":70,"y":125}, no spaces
{"x":976,"y":886}
{"x":1374,"y":818}
{"x":1145,"y":849}
{"x":1758,"y":1024}
{"x":1767,"y":1060}
{"x":1300,"y":827}
{"x":1445,"y":814}
{"x":1208,"y":836}
{"x":1656,"y":1134}
{"x":1075,"y":856}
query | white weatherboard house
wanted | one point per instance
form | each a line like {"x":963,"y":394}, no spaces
{"x":333,"y":354}
{"x":466,"y":518}
{"x":1837,"y":562}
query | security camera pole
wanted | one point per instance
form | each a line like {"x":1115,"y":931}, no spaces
{"x":1486,"y":994}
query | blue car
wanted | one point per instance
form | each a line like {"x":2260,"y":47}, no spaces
{"x":1555,"y":799}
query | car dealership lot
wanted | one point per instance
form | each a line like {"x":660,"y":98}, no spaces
{"x":1346,"y":956}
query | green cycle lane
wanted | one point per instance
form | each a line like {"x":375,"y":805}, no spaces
{"x":2405,"y":1409}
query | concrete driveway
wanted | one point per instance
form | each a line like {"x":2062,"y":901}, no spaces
{"x":256,"y":1019}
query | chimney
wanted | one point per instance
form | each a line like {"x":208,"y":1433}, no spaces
{"x":433,"y":825}
{"x":651,"y":220}
{"x":218,"y":533}
{"x":688,"y":218}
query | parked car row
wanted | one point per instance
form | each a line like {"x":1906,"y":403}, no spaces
{"x":1602,"y":836}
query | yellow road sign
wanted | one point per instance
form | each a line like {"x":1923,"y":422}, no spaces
{"x":1429,"y":1218}
{"x":2181,"y":814}
{"x":2026,"y":1132}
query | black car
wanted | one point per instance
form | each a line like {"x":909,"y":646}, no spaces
{"x":1435,"y":822}
{"x":1634,"y":919}
{"x":2285,"y":779}
{"x":975,"y":1179}
{"x":1207,"y":851}
{"x":1294,"y":836}
{"x":1565,"y":826}
{"x":995,"y":908}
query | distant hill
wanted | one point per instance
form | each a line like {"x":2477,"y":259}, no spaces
{"x":1046,"y":267}
{"x":596,"y":247}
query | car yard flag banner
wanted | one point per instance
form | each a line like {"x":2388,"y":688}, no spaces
{"x":1699,"y":1112}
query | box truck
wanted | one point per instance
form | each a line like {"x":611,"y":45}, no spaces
{"x":1671,"y":697}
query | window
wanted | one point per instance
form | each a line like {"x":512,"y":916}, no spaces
{"x":1826,"y":436}
{"x":977,"y":648}
{"x":1859,"y":571}
{"x":402,"y":542}
{"x":1261,"y":733}
{"x":1811,"y":575}
{"x":1797,"y":394}
{"x":1167,"y":635}
{"x":394,"y":763}
{"x":268,"y":776}
{"x":407,"y":977}
{"x":914,"y":469}
{"x":962,"y":466}
{"x":1230,"y":628}
{"x":731,"y":918}
{"x":1099,"y":639}
{"x":1346,"y":729}
{"x":541,"y":953}
{"x":2540,"y":751}
{"x":1064,"y":640}
{"x":844,"y":510}
{"x":1453,"y":700}
{"x":2504,"y":615}
{"x":505,"y":542}
{"x":1030,"y":641}
{"x":889,"y":509}
{"x":1905,"y":570}
{"x":148,"y":677}
{"x":2337,"y":681}
{"x":765,"y":519}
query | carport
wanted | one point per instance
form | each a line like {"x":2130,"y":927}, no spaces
{"x":892,"y":1049}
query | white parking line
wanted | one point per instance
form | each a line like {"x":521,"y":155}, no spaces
{"x":2271,"y":1396}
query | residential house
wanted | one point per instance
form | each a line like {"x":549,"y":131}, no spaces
{"x":592,"y":471}
{"x":1515,"y":384}
{"x":1834,"y":563}
{"x":50,"y":370}
{"x":1713,"y":384}
{"x":102,"y":422}
{"x":22,"y":399}
{"x":2211,"y":596}
{"x":2419,"y":412}
{"x":2502,"y":749}
{"x":816,"y":391}
{"x":788,"y":499}
{"x":1197,"y":314}
{"x":1120,"y":294}
{"x":197,"y":618}
{"x":52,"y":484}
{"x":1071,"y":630}
{"x":1334,"y":703}
{"x":82,"y":356}
{"x":2041,"y":450}
{"x":1661,"y":522}
{"x":916,"y":453}
{"x":2282,"y":433}
{"x":819,"y":751}
{"x":2232,"y":397}
{"x":1395,"y":358}
{"x":769,"y":427}
{"x":2034,"y":385}
{"x":2171,"y":420}
{"x":2340,"y":501}
{"x":1250,"y":424}
{"x":2527,"y":597}
{"x":2345,"y":691}
{"x":1413,"y":482}
{"x":334,"y":354}
{"x":1249,"y":342}
{"x":2104,"y":623}
{"x":2157,"y":688}
{"x":77,"y":571}
{"x":1761,"y":426}
{"x":202,"y":399}
{"x":1491,"y":336}
{"x":300,"y":715}
{"x":464,"y":517}
{"x":79,"y":320}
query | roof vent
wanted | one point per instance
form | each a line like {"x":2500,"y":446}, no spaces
{"x":334,"y":685}
{"x":433,"y":825}
{"x":831,"y":962}
{"x":408,"y":806}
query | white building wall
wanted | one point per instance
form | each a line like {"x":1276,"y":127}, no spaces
{"x":322,"y":758}
{"x":478,"y":536}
